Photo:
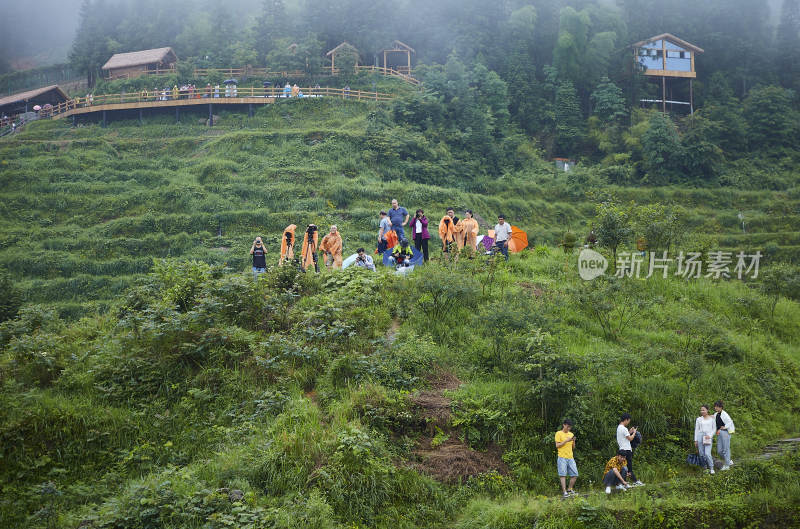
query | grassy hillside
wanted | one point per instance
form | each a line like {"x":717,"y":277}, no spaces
{"x":199,"y":398}
{"x":84,"y":210}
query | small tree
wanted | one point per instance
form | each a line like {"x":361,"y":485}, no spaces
{"x":612,"y":226}
{"x":781,"y":279}
{"x":662,"y":226}
{"x":551,"y":372}
{"x":609,"y":102}
{"x":612,"y":303}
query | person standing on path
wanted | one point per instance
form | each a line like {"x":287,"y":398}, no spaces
{"x":502,"y":234}
{"x":624,"y":438}
{"x":259,"y":253}
{"x":385,"y":227}
{"x":565,"y":444}
{"x":725,"y":428}
{"x":703,"y":436}
{"x":419,"y":233}
{"x":398,"y":216}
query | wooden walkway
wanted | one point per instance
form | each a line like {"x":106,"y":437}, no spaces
{"x":201,"y":97}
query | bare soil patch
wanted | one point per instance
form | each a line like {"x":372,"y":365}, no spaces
{"x":451,"y":461}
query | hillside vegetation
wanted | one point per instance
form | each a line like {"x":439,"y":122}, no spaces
{"x":148,"y":381}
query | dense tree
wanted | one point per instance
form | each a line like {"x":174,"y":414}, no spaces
{"x":770,"y":117}
{"x":609,"y":102}
{"x":662,"y":150}
{"x":93,"y":45}
{"x":271,"y":26}
{"x":533,"y":66}
{"x":568,"y":119}
{"x":788,"y":44}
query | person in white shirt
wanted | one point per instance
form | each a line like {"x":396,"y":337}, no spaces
{"x":502,"y":234}
{"x":724,"y":425}
{"x":624,"y":438}
{"x":364,"y":261}
{"x":703,"y":436}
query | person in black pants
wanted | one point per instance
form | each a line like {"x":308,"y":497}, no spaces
{"x":259,"y":253}
{"x":624,"y":437}
{"x":419,"y":232}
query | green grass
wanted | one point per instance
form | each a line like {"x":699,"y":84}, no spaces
{"x":91,"y":201}
{"x":167,"y":384}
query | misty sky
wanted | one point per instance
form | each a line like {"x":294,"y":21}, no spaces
{"x":40,"y":32}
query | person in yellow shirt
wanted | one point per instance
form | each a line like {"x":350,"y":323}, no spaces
{"x":614,"y":471}
{"x":565,"y":443}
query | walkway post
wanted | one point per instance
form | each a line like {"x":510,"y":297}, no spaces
{"x":177,"y":115}
{"x":104,"y":119}
{"x":210,"y":116}
{"x":74,"y":121}
{"x":250,"y":110}
{"x":140,"y":117}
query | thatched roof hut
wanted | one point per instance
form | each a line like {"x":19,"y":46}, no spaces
{"x":135,"y":63}
{"x":24,"y":101}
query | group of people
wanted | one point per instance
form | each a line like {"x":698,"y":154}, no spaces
{"x":618,"y":472}
{"x":456,"y":234}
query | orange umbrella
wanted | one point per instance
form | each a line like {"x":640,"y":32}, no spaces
{"x":519,"y":240}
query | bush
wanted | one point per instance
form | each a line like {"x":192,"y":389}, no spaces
{"x":10,"y":297}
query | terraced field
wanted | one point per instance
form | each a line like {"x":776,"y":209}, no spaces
{"x":84,"y":211}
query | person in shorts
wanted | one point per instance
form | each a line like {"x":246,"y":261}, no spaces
{"x":565,"y":444}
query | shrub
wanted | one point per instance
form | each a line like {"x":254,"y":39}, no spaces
{"x":10,"y":297}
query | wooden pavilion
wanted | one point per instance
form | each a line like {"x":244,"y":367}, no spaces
{"x":343,"y":48}
{"x":136,"y":63}
{"x":668,"y":57}
{"x":398,"y":47}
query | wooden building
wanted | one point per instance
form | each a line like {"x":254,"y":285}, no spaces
{"x":666,"y":56}
{"x":399,"y":48}
{"x":136,"y":63}
{"x":25,"y":101}
{"x":342,"y":49}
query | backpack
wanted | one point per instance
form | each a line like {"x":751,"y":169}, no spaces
{"x":696,"y":460}
{"x":637,"y":440}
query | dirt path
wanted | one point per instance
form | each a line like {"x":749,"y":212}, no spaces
{"x":440,"y":452}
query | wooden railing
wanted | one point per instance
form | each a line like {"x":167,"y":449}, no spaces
{"x":266,"y":72}
{"x":163,"y":71}
{"x":223,"y":95}
{"x":389,"y":72}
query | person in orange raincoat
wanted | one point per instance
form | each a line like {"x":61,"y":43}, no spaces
{"x":287,"y":244}
{"x":331,"y":245}
{"x":309,"y":252}
{"x":467,"y":233}
{"x":447,"y":230}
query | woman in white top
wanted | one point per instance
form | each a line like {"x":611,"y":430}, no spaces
{"x":724,"y":425}
{"x":703,"y":436}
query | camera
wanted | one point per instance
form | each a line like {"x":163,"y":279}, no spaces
{"x":311,"y":229}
